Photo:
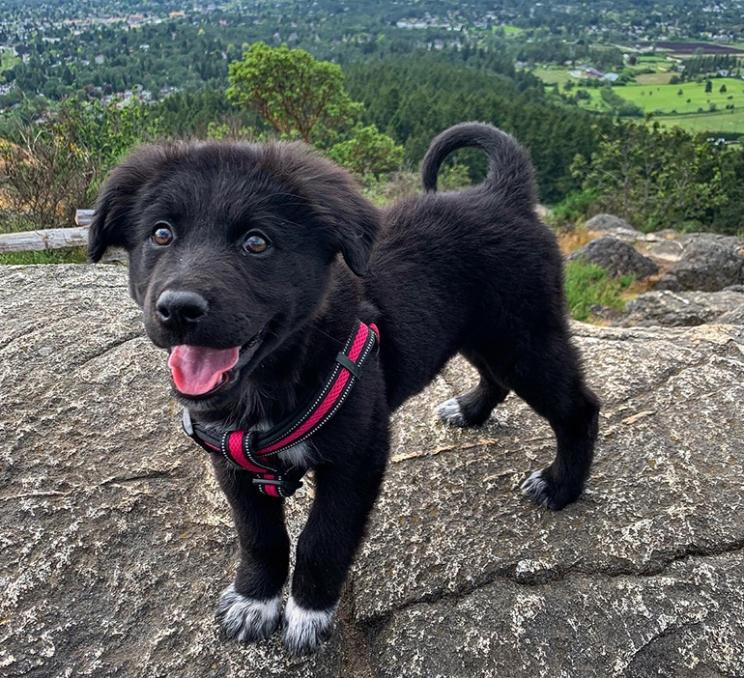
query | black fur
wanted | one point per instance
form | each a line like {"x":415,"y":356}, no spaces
{"x":472,"y":272}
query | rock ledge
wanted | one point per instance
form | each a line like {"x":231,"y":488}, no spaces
{"x":117,"y":542}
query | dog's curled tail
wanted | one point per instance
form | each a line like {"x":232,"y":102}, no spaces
{"x":510,"y":172}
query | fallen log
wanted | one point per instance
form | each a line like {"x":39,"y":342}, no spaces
{"x":44,"y":239}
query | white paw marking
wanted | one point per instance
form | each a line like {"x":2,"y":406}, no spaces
{"x":305,"y":630}
{"x":536,"y":488}
{"x":450,"y":413}
{"x":247,"y":619}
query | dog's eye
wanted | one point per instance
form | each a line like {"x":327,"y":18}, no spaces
{"x":162,"y":234}
{"x":256,"y":243}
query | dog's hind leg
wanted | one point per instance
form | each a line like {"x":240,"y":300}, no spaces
{"x":550,"y":380}
{"x":475,"y":406}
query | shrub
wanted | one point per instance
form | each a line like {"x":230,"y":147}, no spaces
{"x":52,"y":167}
{"x":367,"y":152}
{"x":573,"y":207}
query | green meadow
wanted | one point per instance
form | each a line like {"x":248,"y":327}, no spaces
{"x":686,"y":104}
{"x":552,"y":75}
{"x":7,"y":59}
{"x":688,"y":97}
{"x":511,"y":30}
{"x":731,"y":122}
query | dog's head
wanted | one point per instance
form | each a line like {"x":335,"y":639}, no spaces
{"x":230,"y":249}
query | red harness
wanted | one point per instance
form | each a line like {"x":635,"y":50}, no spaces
{"x":256,"y":451}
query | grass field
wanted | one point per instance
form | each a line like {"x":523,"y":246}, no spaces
{"x":658,"y":78}
{"x":690,"y":109}
{"x":687,"y":105}
{"x":7,"y":59}
{"x":511,"y":30}
{"x":552,"y":75}
{"x":686,"y":97}
{"x":726,"y":121}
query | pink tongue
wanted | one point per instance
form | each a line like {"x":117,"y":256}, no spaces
{"x":198,"y":369}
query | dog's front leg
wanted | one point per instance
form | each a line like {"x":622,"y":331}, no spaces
{"x":250,"y":608}
{"x":325,"y":550}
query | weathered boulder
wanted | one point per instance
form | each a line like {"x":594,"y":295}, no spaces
{"x":608,"y":222}
{"x":116,"y":541}
{"x":732,"y":317}
{"x":615,"y":226}
{"x":666,"y":248}
{"x":708,"y":262}
{"x":684,"y":308}
{"x":617,"y":257}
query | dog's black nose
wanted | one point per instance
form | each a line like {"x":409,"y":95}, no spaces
{"x":175,"y":307}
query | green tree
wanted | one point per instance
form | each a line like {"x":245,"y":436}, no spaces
{"x":657,"y":178}
{"x":299,"y":96}
{"x":367,"y":152}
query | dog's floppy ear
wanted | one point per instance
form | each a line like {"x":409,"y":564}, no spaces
{"x":111,"y":225}
{"x":333,"y":195}
{"x":356,"y":224}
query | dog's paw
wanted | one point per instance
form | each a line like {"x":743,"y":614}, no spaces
{"x":306,"y":630}
{"x":450,"y":413}
{"x":246,"y":619}
{"x":545,"y":491}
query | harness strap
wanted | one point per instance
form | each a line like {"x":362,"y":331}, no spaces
{"x":256,"y":451}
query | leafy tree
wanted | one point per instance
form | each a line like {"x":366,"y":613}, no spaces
{"x":301,"y":97}
{"x":367,"y":152}
{"x":296,"y":94}
{"x":658,"y":178}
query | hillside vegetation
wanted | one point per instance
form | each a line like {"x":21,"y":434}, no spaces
{"x":80,"y":85}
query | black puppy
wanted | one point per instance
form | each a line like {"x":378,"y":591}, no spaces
{"x":233,"y":258}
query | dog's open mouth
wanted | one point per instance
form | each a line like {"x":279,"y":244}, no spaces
{"x":199,"y":371}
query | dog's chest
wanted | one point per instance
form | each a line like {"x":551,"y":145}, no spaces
{"x":296,"y":456}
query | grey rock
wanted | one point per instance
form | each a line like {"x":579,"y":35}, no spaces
{"x":615,"y":226}
{"x":116,"y":540}
{"x":663,"y":234}
{"x":684,"y":308}
{"x":675,"y":624}
{"x":617,"y":257}
{"x":709,"y":262}
{"x":608,"y":222}
{"x":732,"y":317}
{"x":667,"y":251}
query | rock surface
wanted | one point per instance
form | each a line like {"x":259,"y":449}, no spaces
{"x":616,"y":257}
{"x":116,"y":540}
{"x":708,"y":262}
{"x":608,"y":222}
{"x":615,"y":226}
{"x":684,"y":308}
